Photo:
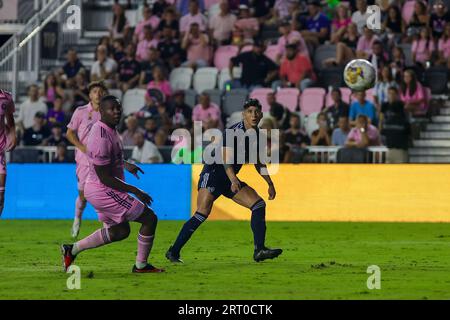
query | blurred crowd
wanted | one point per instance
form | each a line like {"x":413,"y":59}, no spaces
{"x":183,"y":35}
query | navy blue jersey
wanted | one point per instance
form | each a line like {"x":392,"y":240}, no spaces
{"x":238,"y":145}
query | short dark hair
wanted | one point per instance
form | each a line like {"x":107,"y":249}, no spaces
{"x":252,"y":103}
{"x":109,"y":99}
{"x":97,"y":84}
{"x":393,"y":89}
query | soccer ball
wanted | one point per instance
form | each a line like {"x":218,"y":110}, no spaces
{"x":359,"y":75}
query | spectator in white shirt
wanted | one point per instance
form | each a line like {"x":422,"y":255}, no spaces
{"x":222,"y":24}
{"x":104,"y":68}
{"x":29,"y":108}
{"x":145,"y":151}
{"x":360,"y":16}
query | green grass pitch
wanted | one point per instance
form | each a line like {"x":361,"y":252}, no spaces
{"x":320,"y":261}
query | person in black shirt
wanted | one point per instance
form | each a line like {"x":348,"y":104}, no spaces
{"x":61,"y":154}
{"x":57,"y":136}
{"x":37,"y":134}
{"x":147,"y":67}
{"x":257,"y":69}
{"x":170,"y":49}
{"x":129,"y":70}
{"x":295,"y":141}
{"x":179,"y":112}
{"x":336,"y":110}
{"x":281,"y":114}
{"x":118,"y":50}
{"x":159,"y":6}
{"x":394,"y":126}
{"x":439,"y":18}
{"x":72,"y":67}
{"x":169,"y":20}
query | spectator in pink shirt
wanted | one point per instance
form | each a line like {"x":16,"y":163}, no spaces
{"x":365,"y":43}
{"x":444,"y":47}
{"x":208,"y":113}
{"x":222,"y":24}
{"x":194,"y":16}
{"x":289,"y":36}
{"x":148,"y":20}
{"x":363,"y":135}
{"x":340,"y":23}
{"x":412,"y":93}
{"x":247,"y":24}
{"x":422,"y":48}
{"x":142,"y":52}
{"x":196,"y":44}
{"x":160,"y":82}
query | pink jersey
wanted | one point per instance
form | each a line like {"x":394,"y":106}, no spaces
{"x":82,"y":121}
{"x":6,"y":107}
{"x":104,"y":147}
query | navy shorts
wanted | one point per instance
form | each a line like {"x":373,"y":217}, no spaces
{"x":217,"y":184}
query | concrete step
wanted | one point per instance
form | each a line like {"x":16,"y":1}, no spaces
{"x":432,"y":143}
{"x":429,"y":159}
{"x":435,"y":135}
{"x":429,"y":152}
{"x":441,"y":119}
{"x":444,"y":111}
{"x":95,"y":34}
{"x":438,"y":127}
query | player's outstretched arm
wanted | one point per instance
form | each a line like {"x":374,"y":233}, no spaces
{"x":132,"y":168}
{"x":263,"y":172}
{"x":105,"y":176}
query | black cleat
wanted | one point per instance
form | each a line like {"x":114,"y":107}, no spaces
{"x":266,"y":253}
{"x":67,"y":257}
{"x":147,"y":269}
{"x":173,"y":258}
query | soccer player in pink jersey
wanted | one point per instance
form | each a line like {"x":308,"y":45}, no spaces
{"x":7,"y":138}
{"x":77,"y":133}
{"x":106,"y":190}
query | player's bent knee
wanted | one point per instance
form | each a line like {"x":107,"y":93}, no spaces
{"x":260,"y":203}
{"x":119,"y":233}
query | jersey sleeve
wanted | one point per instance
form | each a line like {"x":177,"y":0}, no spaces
{"x":99,"y":148}
{"x":75,"y":121}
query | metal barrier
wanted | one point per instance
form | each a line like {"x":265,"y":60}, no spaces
{"x":329,"y":154}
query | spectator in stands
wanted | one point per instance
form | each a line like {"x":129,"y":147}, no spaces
{"x":395,"y":128}
{"x":145,"y":151}
{"x":420,"y":19}
{"x":151,"y":127}
{"x":398,"y":63}
{"x":365,"y":44}
{"x":179,"y":112}
{"x":148,"y":65}
{"x":295,"y":141}
{"x":37,"y":133}
{"x":262,"y":9}
{"x":106,"y":42}
{"x":162,"y":138}
{"x":169,"y":49}
{"x":132,"y":128}
{"x":221,"y":25}
{"x":104,"y":68}
{"x":248,"y":25}
{"x":81,"y":91}
{"x":340,"y":23}
{"x":345,"y":48}
{"x":394,"y":26}
{"x":61,"y":154}
{"x":363,"y":135}
{"x":118,"y":50}
{"x":360,"y":16}
{"x":159,"y":7}
{"x":321,"y":136}
{"x":147,"y":42}
{"x":379,"y":58}
{"x":444,"y":47}
{"x":150,"y":109}
{"x":257,"y":69}
{"x":160,"y":82}
{"x":56,"y":114}
{"x":273,"y":146}
{"x":289,"y":36}
{"x":340,"y":134}
{"x":422,"y":48}
{"x":282,"y":9}
{"x":364,"y":107}
{"x":412,"y":93}
{"x":29,"y":108}
{"x":384,"y":82}
{"x":56,"y":136}
{"x":196,"y":44}
{"x":51,"y":89}
{"x":120,"y":28}
{"x":149,"y":19}
{"x":129,"y":70}
{"x":208,"y":113}
{"x":337,"y":109}
{"x":295,"y":70}
{"x":184,"y":7}
{"x":281,"y":114}
{"x":170,"y":21}
{"x":439,"y":18}
{"x":194,"y":16}
{"x":72,"y":67}
{"x":317,"y":25}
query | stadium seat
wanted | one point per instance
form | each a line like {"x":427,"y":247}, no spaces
{"x":215,"y":96}
{"x":166,"y":153}
{"x":322,"y":53}
{"x":436,"y":79}
{"x":133,"y":101}
{"x":288,"y":97}
{"x":190,"y":97}
{"x":132,"y":17}
{"x":312,"y":100}
{"x":233,"y":101}
{"x":272,"y":52}
{"x":406,"y":47}
{"x":261,"y":95}
{"x":213,"y":10}
{"x":408,"y":10}
{"x":116,"y":93}
{"x":181,"y":78}
{"x":234,"y":118}
{"x":311,"y":123}
{"x":332,"y":76}
{"x":223,"y":55}
{"x":224,"y":76}
{"x":205,"y":79}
